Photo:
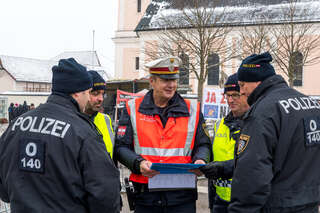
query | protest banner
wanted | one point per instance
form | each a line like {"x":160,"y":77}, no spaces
{"x":214,"y":104}
{"x":123,"y":97}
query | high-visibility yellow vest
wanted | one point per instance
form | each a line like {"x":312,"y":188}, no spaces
{"x":104,"y":124}
{"x":223,"y":150}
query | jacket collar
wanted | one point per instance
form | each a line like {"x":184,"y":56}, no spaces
{"x":91,"y":117}
{"x":267,"y":85}
{"x":177,"y":107}
{"x":64,"y":100}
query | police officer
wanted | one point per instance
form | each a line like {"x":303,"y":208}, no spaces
{"x":153,"y":129}
{"x":278,"y":153}
{"x":52,"y":159}
{"x":94,"y":106}
{"x":226,"y":132}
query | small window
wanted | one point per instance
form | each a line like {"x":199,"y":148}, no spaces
{"x":184,"y":70}
{"x":213,"y":69}
{"x":297,"y":58}
{"x":137,"y":63}
{"x":139,"y":6}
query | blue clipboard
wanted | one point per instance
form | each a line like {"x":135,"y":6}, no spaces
{"x":174,"y":168}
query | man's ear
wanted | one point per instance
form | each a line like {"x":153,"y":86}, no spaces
{"x":258,"y":83}
{"x":75,"y":95}
{"x":152,"y":79}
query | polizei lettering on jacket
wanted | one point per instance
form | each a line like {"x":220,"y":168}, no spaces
{"x":46,"y":126}
{"x":300,"y":103}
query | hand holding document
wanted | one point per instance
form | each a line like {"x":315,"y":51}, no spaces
{"x":197,"y":171}
{"x":145,"y":169}
{"x":175,"y":168}
{"x":173,"y":176}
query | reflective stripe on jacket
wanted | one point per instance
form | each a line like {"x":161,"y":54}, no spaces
{"x":172,"y":144}
{"x":223,"y":150}
{"x":104,"y":124}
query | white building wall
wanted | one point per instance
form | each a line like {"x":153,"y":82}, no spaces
{"x":7,"y":83}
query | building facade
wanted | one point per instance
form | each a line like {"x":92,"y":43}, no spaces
{"x":138,"y":28}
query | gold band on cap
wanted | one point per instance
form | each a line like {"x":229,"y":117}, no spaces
{"x":230,"y":85}
{"x":99,"y":84}
{"x":251,"y":65}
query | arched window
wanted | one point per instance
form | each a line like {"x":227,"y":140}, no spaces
{"x":184,"y":69}
{"x":297,"y":58}
{"x":213,"y":69}
{"x":139,"y":6}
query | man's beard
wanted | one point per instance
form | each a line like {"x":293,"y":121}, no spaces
{"x":97,"y":108}
{"x":89,"y":109}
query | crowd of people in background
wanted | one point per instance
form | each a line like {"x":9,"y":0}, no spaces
{"x":15,"y":110}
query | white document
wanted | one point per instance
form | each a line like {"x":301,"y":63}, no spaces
{"x":172,"y":182}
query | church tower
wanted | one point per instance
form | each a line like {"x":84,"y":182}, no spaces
{"x":127,"y":45}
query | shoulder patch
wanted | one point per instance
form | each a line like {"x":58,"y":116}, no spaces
{"x":32,"y":155}
{"x":242,"y":143}
{"x":312,"y":131}
{"x":121,"y":131}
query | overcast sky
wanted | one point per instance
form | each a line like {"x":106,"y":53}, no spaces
{"x":45,"y":28}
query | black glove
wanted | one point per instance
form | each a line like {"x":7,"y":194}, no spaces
{"x":213,"y":170}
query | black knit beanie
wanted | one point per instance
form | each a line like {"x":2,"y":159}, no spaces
{"x":256,"y":68}
{"x":232,"y":83}
{"x":98,"y":82}
{"x":70,"y":77}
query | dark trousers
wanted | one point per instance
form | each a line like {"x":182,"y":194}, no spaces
{"x":189,"y":207}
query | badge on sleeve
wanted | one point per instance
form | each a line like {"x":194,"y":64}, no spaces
{"x":121,"y":131}
{"x":32,"y":155}
{"x":242,"y":143}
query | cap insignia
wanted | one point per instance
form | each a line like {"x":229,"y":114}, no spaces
{"x":171,"y":66}
{"x":251,"y":65}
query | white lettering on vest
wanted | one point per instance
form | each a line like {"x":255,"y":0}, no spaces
{"x":220,"y":135}
{"x":32,"y":126}
{"x":44,"y":130}
{"x":294,"y":104}
{"x":28,"y":122}
{"x":17,"y":123}
{"x":47,"y":126}
{"x":57,"y":127}
{"x":65,"y":130}
{"x":297,"y":104}
{"x":285,"y":105}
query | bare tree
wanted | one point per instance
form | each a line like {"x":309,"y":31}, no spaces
{"x":194,"y":31}
{"x":255,"y":39}
{"x":292,"y":39}
{"x":297,"y":39}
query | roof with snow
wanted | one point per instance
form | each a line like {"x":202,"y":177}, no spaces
{"x":86,"y":58}
{"x":27,"y":69}
{"x":90,"y":59}
{"x":236,"y":12}
{"x":36,"y":70}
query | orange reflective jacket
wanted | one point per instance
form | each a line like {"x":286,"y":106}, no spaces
{"x":172,"y":144}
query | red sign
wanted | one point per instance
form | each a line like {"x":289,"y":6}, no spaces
{"x":123,"y":97}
